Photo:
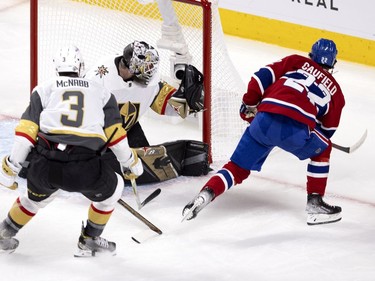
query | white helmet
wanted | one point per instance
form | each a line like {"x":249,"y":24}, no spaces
{"x":69,"y":59}
{"x":142,"y":60}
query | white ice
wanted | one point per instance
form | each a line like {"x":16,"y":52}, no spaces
{"x":256,"y":231}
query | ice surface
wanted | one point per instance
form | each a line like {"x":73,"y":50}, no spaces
{"x":256,"y":231}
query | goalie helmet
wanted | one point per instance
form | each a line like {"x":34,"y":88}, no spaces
{"x":324,"y":52}
{"x":69,"y":59}
{"x":142,"y":60}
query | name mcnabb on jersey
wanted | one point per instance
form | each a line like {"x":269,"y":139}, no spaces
{"x":72,"y":83}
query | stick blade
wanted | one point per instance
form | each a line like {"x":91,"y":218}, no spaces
{"x":352,"y":148}
{"x":151,"y":197}
{"x":144,"y":236}
{"x":355,"y":146}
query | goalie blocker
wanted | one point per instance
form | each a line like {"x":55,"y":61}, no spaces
{"x":169,"y":160}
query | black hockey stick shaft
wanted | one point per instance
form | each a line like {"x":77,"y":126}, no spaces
{"x":342,"y":148}
{"x":151,"y":196}
{"x":139,"y":216}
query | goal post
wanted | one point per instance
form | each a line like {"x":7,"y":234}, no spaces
{"x":184,"y":31}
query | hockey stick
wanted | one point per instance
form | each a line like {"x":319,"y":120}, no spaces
{"x":134,"y":187}
{"x":139,"y":216}
{"x":148,"y":198}
{"x":354,"y":147}
{"x":151,"y":196}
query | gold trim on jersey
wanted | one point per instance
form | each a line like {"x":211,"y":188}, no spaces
{"x":67,"y":132}
{"x":28,"y":127}
{"x":119,"y":134}
{"x":160,"y":102}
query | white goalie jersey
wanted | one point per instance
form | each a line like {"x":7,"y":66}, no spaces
{"x":133,"y":98}
{"x":137,"y":97}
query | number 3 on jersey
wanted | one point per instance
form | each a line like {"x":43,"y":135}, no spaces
{"x":76,"y":103}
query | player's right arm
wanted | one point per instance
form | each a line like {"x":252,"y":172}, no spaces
{"x":25,"y":138}
{"x":118,"y":140}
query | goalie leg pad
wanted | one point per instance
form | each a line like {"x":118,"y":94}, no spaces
{"x":156,"y":164}
{"x":189,"y":157}
{"x":196,"y":159}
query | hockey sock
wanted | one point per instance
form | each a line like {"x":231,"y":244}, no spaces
{"x":225,"y":178}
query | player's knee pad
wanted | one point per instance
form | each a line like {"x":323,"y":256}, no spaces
{"x":34,"y":206}
{"x":109,"y":203}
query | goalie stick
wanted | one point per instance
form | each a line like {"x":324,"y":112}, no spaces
{"x":139,"y":216}
{"x":352,"y":148}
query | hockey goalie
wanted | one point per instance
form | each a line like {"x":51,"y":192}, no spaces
{"x":133,"y":77}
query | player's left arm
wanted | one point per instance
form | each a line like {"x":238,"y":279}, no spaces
{"x":185,"y":100}
{"x":189,"y":98}
{"x":160,"y":102}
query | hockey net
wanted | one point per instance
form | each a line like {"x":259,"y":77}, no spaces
{"x":184,"y":31}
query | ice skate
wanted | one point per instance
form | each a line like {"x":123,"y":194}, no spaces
{"x":94,"y":246}
{"x":191,"y":210}
{"x":8,"y":244}
{"x":319,"y":212}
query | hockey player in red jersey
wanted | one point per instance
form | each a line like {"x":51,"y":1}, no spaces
{"x":294,"y":104}
{"x":70,"y":121}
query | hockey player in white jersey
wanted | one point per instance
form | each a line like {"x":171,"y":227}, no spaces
{"x":133,"y":77}
{"x":70,"y":121}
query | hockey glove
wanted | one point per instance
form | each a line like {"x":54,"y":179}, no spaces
{"x":191,"y":89}
{"x":133,"y":168}
{"x":8,"y":174}
{"x":247,"y":112}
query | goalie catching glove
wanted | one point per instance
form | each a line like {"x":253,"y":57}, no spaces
{"x":8,"y":174}
{"x":190,"y":95}
{"x":133,"y":167}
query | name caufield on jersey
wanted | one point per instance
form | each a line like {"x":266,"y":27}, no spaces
{"x":72,"y":82}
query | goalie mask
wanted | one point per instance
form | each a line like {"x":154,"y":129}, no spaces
{"x":70,"y":60}
{"x":142,"y":60}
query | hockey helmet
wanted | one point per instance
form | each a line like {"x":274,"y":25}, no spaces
{"x":142,"y":60}
{"x":69,"y":59}
{"x":324,"y":52}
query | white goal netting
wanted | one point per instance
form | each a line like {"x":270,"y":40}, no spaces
{"x":103,"y":27}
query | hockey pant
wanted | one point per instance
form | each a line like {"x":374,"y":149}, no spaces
{"x":266,"y":132}
{"x":78,"y":170}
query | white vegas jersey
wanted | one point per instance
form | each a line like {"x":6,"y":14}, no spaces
{"x":140,"y":96}
{"x":73,"y":110}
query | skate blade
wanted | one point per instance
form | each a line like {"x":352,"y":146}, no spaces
{"x":313,"y":219}
{"x":90,"y":254}
{"x":6,"y":251}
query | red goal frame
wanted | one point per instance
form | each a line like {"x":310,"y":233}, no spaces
{"x":207,"y":58}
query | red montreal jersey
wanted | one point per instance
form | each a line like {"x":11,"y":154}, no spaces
{"x":299,"y":88}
